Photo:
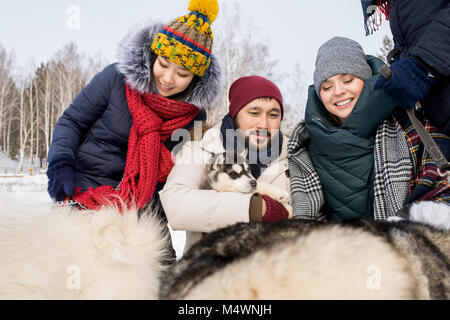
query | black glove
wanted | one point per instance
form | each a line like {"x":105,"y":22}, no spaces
{"x":61,"y":180}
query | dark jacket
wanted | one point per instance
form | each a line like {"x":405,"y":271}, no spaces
{"x":343,"y":156}
{"x":422,"y":29}
{"x":93,"y":132}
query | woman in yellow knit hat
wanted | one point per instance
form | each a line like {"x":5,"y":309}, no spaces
{"x":113,"y":144}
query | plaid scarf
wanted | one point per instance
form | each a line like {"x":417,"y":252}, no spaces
{"x":426,"y":183}
{"x":373,"y":11}
{"x":306,"y":188}
{"x":392,"y":171}
{"x":155,"y":118}
{"x":405,"y":173}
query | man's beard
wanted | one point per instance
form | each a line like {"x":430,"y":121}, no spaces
{"x":255,"y":145}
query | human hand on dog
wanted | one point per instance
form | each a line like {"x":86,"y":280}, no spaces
{"x":61,"y":180}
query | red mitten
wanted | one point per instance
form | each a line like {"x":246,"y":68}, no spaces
{"x":275,"y":211}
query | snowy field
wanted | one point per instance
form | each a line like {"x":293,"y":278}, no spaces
{"x":32,"y":190}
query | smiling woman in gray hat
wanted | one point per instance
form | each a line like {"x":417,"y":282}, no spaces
{"x":341,"y":69}
{"x":354,"y":155}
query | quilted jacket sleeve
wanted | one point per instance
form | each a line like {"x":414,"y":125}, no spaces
{"x":433,"y":47}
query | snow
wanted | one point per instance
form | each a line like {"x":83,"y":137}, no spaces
{"x":32,"y":189}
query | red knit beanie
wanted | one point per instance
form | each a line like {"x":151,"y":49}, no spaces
{"x":247,"y":89}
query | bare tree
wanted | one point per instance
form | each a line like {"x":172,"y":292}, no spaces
{"x":242,"y":53}
{"x":295,"y":99}
{"x":46,"y":105}
{"x":38,"y":127}
{"x":67,"y":65}
{"x":387,"y":46}
{"x":43,"y":89}
{"x":58,"y":83}
{"x":24,"y":125}
{"x":31,"y":115}
{"x":7,"y":98}
{"x":30,"y":105}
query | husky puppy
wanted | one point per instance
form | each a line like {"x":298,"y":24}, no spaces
{"x":230,"y":172}
{"x":304,"y":259}
{"x":59,"y":253}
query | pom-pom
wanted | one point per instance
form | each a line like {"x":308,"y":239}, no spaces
{"x":209,"y":8}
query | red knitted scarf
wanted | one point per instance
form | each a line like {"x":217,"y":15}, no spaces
{"x":155,"y":118}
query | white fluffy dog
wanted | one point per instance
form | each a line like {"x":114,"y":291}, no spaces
{"x":56,"y":253}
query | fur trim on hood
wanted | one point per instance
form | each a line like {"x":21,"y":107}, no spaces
{"x":134,"y":58}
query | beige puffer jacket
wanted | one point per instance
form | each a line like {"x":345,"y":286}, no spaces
{"x":202,"y":211}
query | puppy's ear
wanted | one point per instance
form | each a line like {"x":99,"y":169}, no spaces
{"x":229,"y":157}
{"x":213,"y":160}
{"x":246,"y":165}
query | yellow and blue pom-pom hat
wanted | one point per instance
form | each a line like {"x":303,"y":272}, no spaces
{"x":188,"y":40}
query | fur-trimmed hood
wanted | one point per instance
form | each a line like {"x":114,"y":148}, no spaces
{"x":134,"y":58}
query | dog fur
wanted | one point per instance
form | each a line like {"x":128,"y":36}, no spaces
{"x":304,"y":259}
{"x":432,"y":213}
{"x":117,"y":256}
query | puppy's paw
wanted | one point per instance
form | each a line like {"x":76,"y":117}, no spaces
{"x":275,"y":193}
{"x":281,"y":196}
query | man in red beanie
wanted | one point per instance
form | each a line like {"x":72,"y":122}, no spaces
{"x":256,"y":107}
{"x":252,"y":129}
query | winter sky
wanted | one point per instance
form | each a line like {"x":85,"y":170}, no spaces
{"x":295,"y":29}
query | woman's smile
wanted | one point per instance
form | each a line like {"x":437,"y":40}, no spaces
{"x":344,"y":103}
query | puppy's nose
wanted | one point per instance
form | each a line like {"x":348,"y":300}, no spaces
{"x":253,"y":183}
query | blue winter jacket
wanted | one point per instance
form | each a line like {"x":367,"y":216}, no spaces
{"x":422,"y":28}
{"x":93,"y":131}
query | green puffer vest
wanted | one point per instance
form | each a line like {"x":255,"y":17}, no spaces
{"x":343,"y":156}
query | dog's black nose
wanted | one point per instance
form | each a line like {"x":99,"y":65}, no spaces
{"x":253,"y":183}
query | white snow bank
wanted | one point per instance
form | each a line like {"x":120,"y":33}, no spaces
{"x":24,"y":183}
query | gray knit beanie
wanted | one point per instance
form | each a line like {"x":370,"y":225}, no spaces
{"x":340,"y":56}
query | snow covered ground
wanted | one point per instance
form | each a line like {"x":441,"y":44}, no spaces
{"x":32,"y":190}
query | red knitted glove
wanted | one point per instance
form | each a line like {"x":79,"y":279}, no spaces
{"x":275,"y":210}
